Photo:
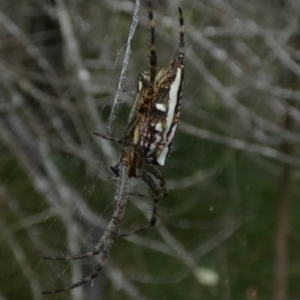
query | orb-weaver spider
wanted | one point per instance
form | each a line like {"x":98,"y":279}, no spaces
{"x":146,"y":143}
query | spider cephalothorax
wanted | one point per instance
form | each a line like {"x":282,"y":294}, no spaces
{"x":146,"y":143}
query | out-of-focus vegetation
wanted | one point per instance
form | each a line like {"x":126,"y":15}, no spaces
{"x":229,"y":228}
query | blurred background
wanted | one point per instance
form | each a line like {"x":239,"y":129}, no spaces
{"x":229,"y":228}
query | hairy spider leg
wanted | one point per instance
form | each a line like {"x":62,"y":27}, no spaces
{"x":144,"y":108}
{"x":88,"y":254}
{"x":153,"y":57}
{"x":139,"y":195}
{"x":181,"y":55}
{"x":150,"y":182}
{"x":156,"y":173}
{"x":157,"y":195}
{"x":106,"y":137}
{"x":110,"y":233}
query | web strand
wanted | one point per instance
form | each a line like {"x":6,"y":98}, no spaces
{"x":134,"y":23}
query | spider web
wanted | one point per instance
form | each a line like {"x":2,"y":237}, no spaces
{"x":116,"y":102}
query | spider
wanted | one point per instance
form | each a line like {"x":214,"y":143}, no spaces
{"x":146,"y":143}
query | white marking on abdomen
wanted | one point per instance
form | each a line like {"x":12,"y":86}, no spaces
{"x":152,"y":148}
{"x":172,"y":104}
{"x":162,"y":156}
{"x":153,"y":145}
{"x":157,"y":138}
{"x":158,"y":127}
{"x":171,"y":137}
{"x":160,"y":107}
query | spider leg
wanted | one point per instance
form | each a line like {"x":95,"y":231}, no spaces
{"x":140,"y":195}
{"x":76,"y":284}
{"x":156,"y":197}
{"x":114,"y":174}
{"x":122,"y":142}
{"x":66,"y":258}
{"x":153,"y":60}
{"x":181,"y":37}
{"x":156,"y":173}
{"x":153,"y":56}
{"x":111,"y":231}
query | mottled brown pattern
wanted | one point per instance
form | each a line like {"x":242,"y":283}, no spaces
{"x":147,"y":114}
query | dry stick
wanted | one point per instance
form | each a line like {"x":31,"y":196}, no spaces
{"x":83,"y":77}
{"x":214,"y":51}
{"x":27,"y":222}
{"x":198,"y":177}
{"x":151,"y":244}
{"x":72,"y":241}
{"x":31,"y":49}
{"x":235,"y":69}
{"x":24,"y":144}
{"x":276,"y":41}
{"x":245,"y":115}
{"x":24,"y":264}
{"x":186,"y":257}
{"x":240,"y":144}
{"x":48,"y":103}
{"x":37,"y":161}
{"x":121,"y":281}
{"x":218,"y":239}
{"x":283,"y":224}
{"x":17,"y":137}
{"x":45,"y":176}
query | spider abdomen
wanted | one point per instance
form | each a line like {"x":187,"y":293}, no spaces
{"x":156,"y":139}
